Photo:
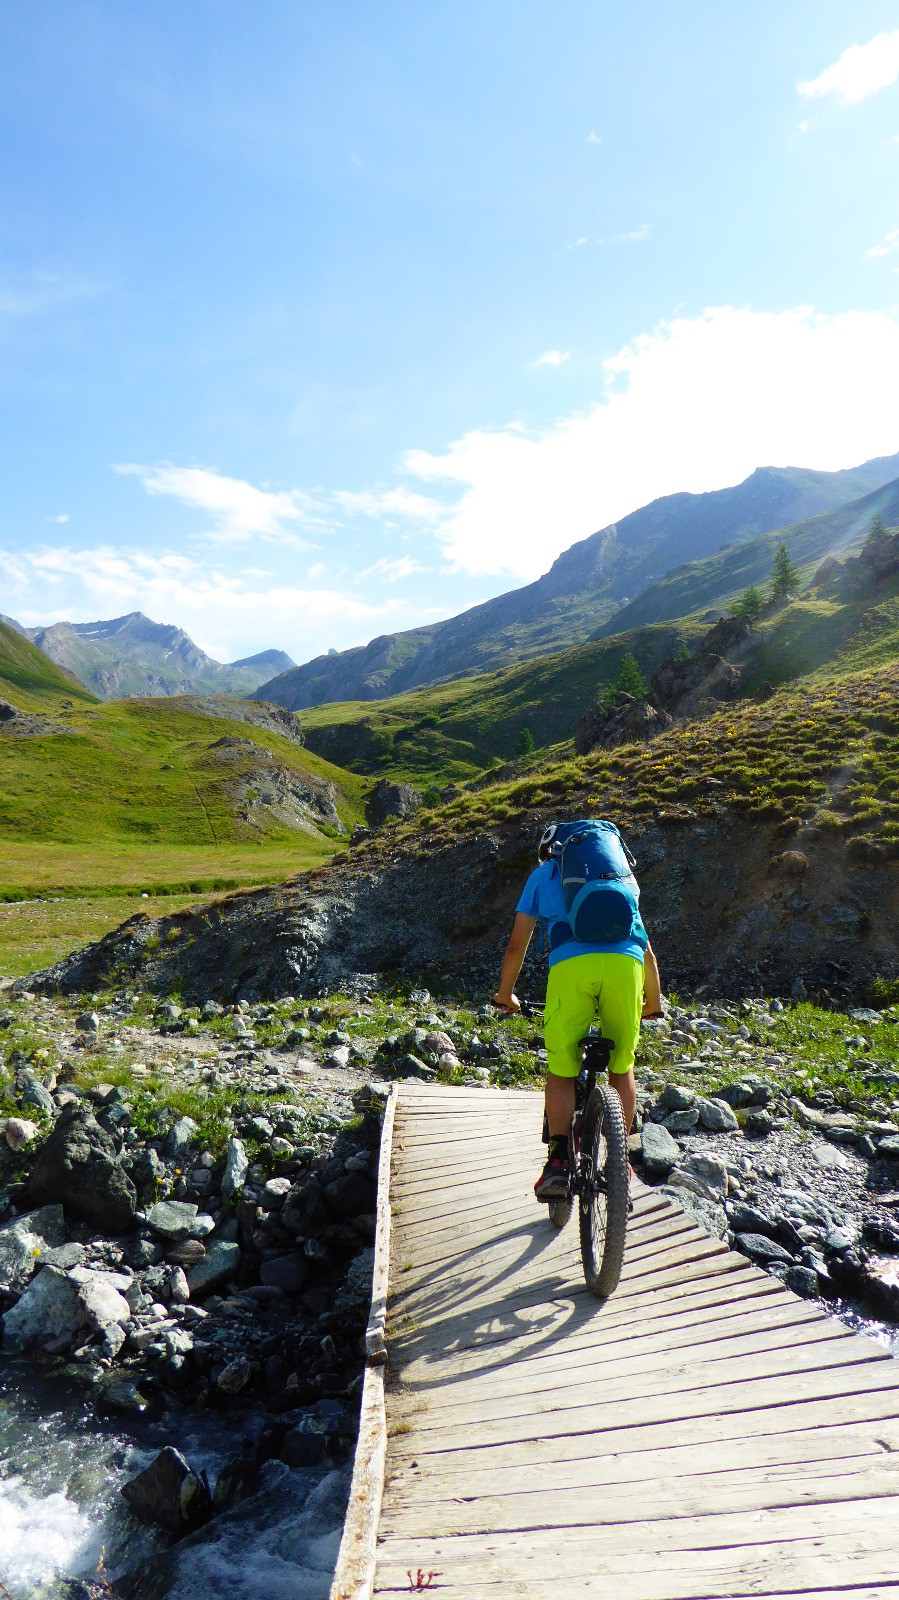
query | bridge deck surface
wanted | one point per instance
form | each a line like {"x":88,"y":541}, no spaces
{"x":704,"y":1433}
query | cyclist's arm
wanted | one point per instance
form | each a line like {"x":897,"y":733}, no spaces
{"x":516,"y":950}
{"x":652,"y":985}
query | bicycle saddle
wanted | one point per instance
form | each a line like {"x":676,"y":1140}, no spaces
{"x":596,"y":1038}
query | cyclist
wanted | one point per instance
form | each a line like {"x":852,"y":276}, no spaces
{"x":619,"y":983}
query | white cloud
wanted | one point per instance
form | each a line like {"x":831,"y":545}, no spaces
{"x":888,"y":246}
{"x":637,"y":235}
{"x":388,"y":503}
{"x":593,"y":138}
{"x":393,"y":570}
{"x":861,"y":71}
{"x":553,"y":358}
{"x":697,"y":404}
{"x":63,"y":517}
{"x":576,"y":245}
{"x":171,"y":587}
{"x":239,"y":510}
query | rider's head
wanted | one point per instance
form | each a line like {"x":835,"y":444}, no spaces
{"x":544,"y":848}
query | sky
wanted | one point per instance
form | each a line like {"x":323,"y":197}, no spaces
{"x":318,"y":322}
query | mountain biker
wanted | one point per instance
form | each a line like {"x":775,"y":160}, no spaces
{"x":619,"y":983}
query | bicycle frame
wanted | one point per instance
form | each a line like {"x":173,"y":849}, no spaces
{"x":595,"y":1058}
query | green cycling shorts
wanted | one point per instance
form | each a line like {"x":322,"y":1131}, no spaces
{"x":604,"y":988}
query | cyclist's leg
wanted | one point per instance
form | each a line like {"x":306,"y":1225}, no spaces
{"x":570,"y":1009}
{"x":619,"y":998}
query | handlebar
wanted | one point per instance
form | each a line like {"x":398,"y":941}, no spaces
{"x":529,"y":1008}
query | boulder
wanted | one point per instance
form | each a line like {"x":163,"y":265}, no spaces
{"x":716,"y":1116}
{"x":762,"y":1249}
{"x":218,"y":1267}
{"x":290,"y":1272}
{"x":705,"y":1175}
{"x":24,"y":1241}
{"x":236,"y":1168}
{"x":180,"y":1137}
{"x":19,"y":1132}
{"x":34,"y":1095}
{"x":354,"y":1293}
{"x":675,"y":1097}
{"x":705,"y":1213}
{"x":744,"y":1218}
{"x":106,"y":1311}
{"x":168,"y":1494}
{"x":49,"y":1316}
{"x":78,"y":1168}
{"x":351,"y":1194}
{"x":171,"y":1219}
{"x":681,"y":1121}
{"x":660,"y":1151}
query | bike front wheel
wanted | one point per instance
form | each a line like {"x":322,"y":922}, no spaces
{"x":604,"y":1191}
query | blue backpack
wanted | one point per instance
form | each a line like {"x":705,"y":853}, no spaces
{"x":598,"y":886}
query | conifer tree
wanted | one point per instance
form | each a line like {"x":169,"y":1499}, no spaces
{"x":877,"y":533}
{"x":524,"y":744}
{"x":784,"y":574}
{"x":749,"y":603}
{"x":630,"y":679}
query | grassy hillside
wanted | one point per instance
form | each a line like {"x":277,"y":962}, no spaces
{"x":132,"y":798}
{"x":822,"y":754}
{"x":455,"y":731}
{"x":146,"y":771}
{"x":720,"y":577}
{"x":30,"y":681}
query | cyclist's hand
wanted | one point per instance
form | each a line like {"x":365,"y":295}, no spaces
{"x":510,"y":1003}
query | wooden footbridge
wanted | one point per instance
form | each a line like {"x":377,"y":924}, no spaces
{"x":702,"y":1434}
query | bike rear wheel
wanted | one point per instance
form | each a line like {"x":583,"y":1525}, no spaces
{"x":603,"y":1200}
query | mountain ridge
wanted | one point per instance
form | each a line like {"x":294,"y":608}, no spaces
{"x":582,"y":590}
{"x":131,"y":655}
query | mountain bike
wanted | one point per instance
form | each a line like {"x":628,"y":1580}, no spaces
{"x":599,"y":1178}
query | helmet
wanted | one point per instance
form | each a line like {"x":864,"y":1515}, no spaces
{"x":544,"y":849}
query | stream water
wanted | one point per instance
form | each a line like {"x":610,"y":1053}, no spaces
{"x":61,"y":1511}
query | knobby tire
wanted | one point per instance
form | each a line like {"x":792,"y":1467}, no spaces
{"x":602,"y":1214}
{"x":559,"y":1212}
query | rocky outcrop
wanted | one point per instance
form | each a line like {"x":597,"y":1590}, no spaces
{"x":681,"y":686}
{"x":263,"y":788}
{"x":18,"y":724}
{"x":389,"y":799}
{"x":630,"y":719}
{"x":677,"y":688}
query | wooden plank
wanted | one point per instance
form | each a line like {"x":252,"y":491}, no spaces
{"x":657,"y":1406}
{"x":535,"y":1366}
{"x":703,"y":1435}
{"x":815,"y":1449}
{"x":692,"y":1389}
{"x":861,"y":1525}
{"x":596,"y":1507}
{"x":877,"y":1408}
{"x":713,"y":1364}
